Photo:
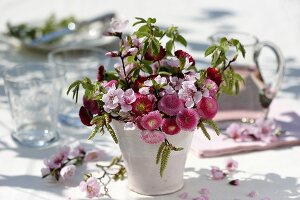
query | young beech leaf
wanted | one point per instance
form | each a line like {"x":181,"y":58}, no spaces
{"x":210,"y":50}
{"x":181,"y":40}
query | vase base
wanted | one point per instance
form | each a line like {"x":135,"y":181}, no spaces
{"x":157,"y":193}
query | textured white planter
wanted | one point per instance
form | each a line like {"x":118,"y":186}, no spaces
{"x":139,"y":158}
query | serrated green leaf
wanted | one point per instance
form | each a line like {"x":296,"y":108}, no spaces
{"x":141,"y":19}
{"x":238,"y":77}
{"x":151,"y":20}
{"x":147,"y":69}
{"x":159,"y":152}
{"x":141,"y":34}
{"x":155,"y":46}
{"x":237,"y":87}
{"x":164,"y":160}
{"x":169,"y":46}
{"x":164,"y":73}
{"x":145,"y":46}
{"x":210,"y":50}
{"x":74,"y":84}
{"x":144,"y":28}
{"x":242,"y":49}
{"x":181,"y":40}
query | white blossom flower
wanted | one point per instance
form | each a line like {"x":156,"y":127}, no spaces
{"x":112,"y":98}
{"x":67,"y":171}
{"x":176,"y":82}
{"x":189,"y":93}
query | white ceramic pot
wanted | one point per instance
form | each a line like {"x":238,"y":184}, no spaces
{"x":139,"y":158}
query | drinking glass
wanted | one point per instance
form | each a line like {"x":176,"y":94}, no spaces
{"x":262,"y":79}
{"x":33,"y":90}
{"x":76,"y":63}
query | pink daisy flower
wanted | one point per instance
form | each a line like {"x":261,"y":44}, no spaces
{"x":138,"y":123}
{"x":187,"y":119}
{"x":142,"y":105}
{"x":152,"y":137}
{"x":170,"y":104}
{"x":151,"y":121}
{"x":207,"y":107}
{"x":170,"y":127}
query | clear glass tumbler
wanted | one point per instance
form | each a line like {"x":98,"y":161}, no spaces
{"x":33,"y":91}
{"x":77,"y":63}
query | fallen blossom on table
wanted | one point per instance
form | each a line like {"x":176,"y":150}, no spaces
{"x":91,"y":187}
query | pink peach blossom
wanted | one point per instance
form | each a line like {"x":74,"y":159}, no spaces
{"x":91,"y":187}
{"x":67,"y":171}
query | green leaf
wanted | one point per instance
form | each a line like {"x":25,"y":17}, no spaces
{"x":242,"y":49}
{"x":156,"y":46}
{"x":237,"y":87}
{"x":147,"y":69}
{"x":169,"y":46}
{"x":164,"y":160}
{"x":151,"y":20}
{"x":141,"y":34}
{"x":181,"y":40}
{"x":144,"y":28}
{"x":73,"y":85}
{"x":159,"y":152}
{"x":164,"y":73}
{"x":204,"y":131}
{"x":210,"y":50}
{"x":141,"y":19}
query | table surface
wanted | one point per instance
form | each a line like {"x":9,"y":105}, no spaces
{"x":273,"y":173}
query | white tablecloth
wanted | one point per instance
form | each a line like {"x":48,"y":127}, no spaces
{"x":272,"y":173}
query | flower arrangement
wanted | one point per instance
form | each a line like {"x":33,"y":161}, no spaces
{"x":157,"y":88}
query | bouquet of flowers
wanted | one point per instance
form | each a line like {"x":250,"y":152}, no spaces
{"x":157,"y":88}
